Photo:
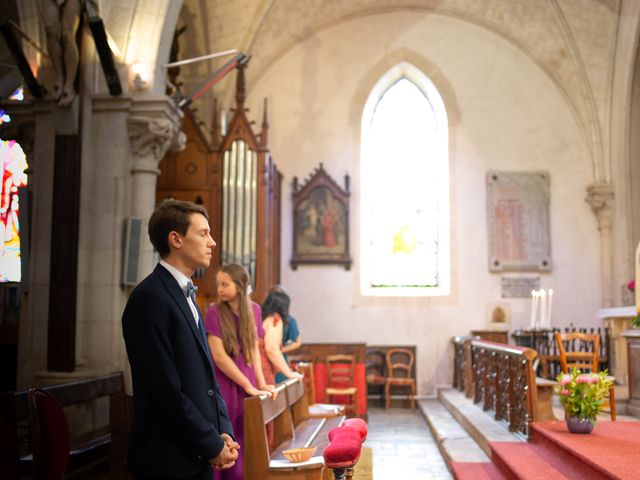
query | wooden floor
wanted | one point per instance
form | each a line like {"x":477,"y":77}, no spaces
{"x":402,"y":446}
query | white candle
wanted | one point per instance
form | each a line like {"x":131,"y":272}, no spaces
{"x":536,"y":309}
{"x":550,"y":299}
{"x":533,"y":308}
{"x":543,"y":308}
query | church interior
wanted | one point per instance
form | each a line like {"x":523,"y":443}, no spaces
{"x":451,"y":185}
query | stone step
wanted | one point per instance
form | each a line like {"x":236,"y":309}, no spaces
{"x":454,"y":442}
{"x":480,"y":425}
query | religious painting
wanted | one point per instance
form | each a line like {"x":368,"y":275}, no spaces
{"x":518,"y":214}
{"x":320,"y":221}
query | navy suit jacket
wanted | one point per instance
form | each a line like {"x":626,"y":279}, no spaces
{"x":179,"y":412}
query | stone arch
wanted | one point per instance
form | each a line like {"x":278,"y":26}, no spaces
{"x":572,"y":82}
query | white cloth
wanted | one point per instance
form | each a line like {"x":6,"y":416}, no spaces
{"x":183,"y":281}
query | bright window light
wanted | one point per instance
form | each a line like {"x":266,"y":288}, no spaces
{"x":405,"y":246}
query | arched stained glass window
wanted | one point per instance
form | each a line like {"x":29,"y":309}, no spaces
{"x":405,"y":187}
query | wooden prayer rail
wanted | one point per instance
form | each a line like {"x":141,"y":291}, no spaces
{"x":505,"y":383}
{"x":462,"y":365}
{"x":293,"y":428}
{"x":88,"y":449}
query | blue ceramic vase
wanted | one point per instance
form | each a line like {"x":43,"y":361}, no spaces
{"x":580,"y":425}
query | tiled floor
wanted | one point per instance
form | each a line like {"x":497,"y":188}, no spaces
{"x":403,"y":447}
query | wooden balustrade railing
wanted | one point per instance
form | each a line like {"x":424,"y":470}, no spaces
{"x":505,"y":383}
{"x":500,"y":377}
{"x":462,"y":365}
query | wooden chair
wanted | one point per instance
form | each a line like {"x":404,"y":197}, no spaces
{"x":399,"y":373}
{"x":49,"y":435}
{"x":340,"y":371}
{"x":585,"y":357}
{"x":375,"y":370}
{"x":316,"y":410}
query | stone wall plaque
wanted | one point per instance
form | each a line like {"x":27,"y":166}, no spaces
{"x":518,"y":216}
{"x":519,"y":287}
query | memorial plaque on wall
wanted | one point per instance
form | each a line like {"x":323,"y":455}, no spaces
{"x":518,"y":214}
{"x":519,"y":287}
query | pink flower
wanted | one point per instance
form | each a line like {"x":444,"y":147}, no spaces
{"x":566,"y":378}
{"x":565,"y":393}
{"x":632,"y":285}
{"x":583,"y":379}
{"x":594,"y":378}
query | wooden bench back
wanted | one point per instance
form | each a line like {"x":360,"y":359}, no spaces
{"x":14,"y":410}
{"x":297,"y":400}
{"x":258,"y":411}
{"x":306,"y":368}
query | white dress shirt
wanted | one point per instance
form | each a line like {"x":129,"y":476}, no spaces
{"x":183,"y":281}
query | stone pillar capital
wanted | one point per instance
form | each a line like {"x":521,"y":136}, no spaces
{"x":155,"y":126}
{"x":151,"y":138}
{"x":600,"y":197}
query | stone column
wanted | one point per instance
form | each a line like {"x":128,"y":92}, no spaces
{"x":152,"y":134}
{"x":600,"y":197}
{"x":32,"y":125}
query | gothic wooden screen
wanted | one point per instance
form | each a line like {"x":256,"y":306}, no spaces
{"x":235,"y":178}
{"x":250,"y":204}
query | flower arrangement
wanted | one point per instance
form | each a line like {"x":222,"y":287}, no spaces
{"x":582,"y":394}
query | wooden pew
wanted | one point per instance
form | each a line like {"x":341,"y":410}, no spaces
{"x":290,"y":403}
{"x":87,"y":450}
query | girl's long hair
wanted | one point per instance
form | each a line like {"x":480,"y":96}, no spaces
{"x":248,"y":334}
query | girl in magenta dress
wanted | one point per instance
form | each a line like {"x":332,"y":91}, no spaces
{"x":234,"y":326}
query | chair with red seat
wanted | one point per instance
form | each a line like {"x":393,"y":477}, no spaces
{"x":316,"y":410}
{"x":49,"y":436}
{"x":340,"y":369}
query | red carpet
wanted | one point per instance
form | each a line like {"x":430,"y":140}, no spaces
{"x":611,"y":451}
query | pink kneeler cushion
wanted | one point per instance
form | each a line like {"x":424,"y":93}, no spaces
{"x":344,"y":433}
{"x":357,"y":424}
{"x":342,"y":452}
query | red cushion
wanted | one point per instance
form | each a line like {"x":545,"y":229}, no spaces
{"x":345,"y":433}
{"x":357,"y":424}
{"x":51,"y":455}
{"x":342,"y":452}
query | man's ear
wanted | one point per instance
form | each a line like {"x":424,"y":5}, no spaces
{"x":175,"y":239}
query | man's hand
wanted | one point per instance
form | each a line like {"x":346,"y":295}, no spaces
{"x":230,"y":442}
{"x":226,"y":458}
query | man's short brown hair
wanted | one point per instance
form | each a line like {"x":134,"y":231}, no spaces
{"x":169,"y":216}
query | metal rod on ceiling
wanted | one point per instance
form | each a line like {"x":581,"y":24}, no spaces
{"x":198,"y":59}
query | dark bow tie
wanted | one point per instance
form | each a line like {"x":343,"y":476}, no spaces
{"x":191,"y":291}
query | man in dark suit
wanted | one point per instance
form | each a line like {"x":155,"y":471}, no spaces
{"x":180,"y":425}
